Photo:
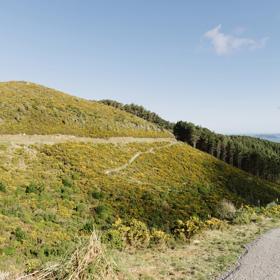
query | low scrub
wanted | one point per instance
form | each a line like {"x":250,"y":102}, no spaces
{"x":33,"y":109}
{"x":134,"y":234}
{"x":62,"y":192}
{"x":245,"y":215}
{"x":185,"y":230}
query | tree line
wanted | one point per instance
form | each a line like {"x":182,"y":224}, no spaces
{"x":141,"y":112}
{"x":256,"y":156}
{"x":253,"y":155}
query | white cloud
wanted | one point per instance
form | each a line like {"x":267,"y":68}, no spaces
{"x":225,"y":44}
{"x":239,"y":30}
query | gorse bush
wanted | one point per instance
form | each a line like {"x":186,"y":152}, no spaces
{"x":159,"y":238}
{"x":138,"y":235}
{"x":114,"y":238}
{"x":134,"y":234}
{"x":271,"y":211}
{"x":186,"y":230}
{"x":215,"y":224}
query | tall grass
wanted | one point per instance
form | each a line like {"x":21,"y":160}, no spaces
{"x":89,"y":261}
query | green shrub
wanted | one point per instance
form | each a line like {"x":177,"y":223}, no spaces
{"x":97,"y":195}
{"x":186,"y":230}
{"x":49,"y":217}
{"x":81,"y":207}
{"x":138,"y":235}
{"x":8,"y":251}
{"x":159,"y":238}
{"x":88,"y":227}
{"x":2,"y":187}
{"x":32,"y":265}
{"x":114,"y":238}
{"x":65,"y":193}
{"x":133,"y":235}
{"x":102,"y":212}
{"x":67,"y":182}
{"x":271,"y":211}
{"x":245,"y":215}
{"x":19,"y":234}
{"x":34,"y":188}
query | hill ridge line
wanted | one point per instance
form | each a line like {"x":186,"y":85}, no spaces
{"x":51,"y":139}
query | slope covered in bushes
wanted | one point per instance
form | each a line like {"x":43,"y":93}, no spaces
{"x":257,"y":156}
{"x":33,"y":109}
{"x":140,"y":112}
{"x":50,"y":195}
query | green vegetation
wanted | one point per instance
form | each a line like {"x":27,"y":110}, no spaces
{"x":57,"y":193}
{"x":256,"y":156}
{"x":208,"y":255}
{"x":141,"y":196}
{"x":34,"y":109}
{"x":141,"y":112}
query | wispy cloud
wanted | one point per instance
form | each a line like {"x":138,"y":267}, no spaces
{"x":226,"y":44}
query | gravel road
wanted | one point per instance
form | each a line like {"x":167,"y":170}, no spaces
{"x":262,"y":261}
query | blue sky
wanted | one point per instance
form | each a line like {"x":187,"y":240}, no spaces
{"x":215,"y":63}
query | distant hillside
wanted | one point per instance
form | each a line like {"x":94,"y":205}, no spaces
{"x":250,"y":153}
{"x":50,"y":196}
{"x":269,"y":137}
{"x":254,"y":155}
{"x":33,"y":109}
{"x":141,"y":112}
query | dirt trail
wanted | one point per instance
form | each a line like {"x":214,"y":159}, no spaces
{"x":55,"y":139}
{"x":138,"y":154}
{"x":261,"y":261}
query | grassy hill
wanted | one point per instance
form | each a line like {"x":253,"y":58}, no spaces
{"x":51,"y":195}
{"x":33,"y":109}
{"x":141,"y":112}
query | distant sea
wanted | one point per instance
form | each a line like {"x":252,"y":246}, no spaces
{"x":269,"y":137}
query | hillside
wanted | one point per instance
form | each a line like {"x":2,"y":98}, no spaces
{"x":140,"y":112}
{"x":52,"y":194}
{"x":33,"y":109}
{"x":70,"y":165}
{"x":256,"y":156}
